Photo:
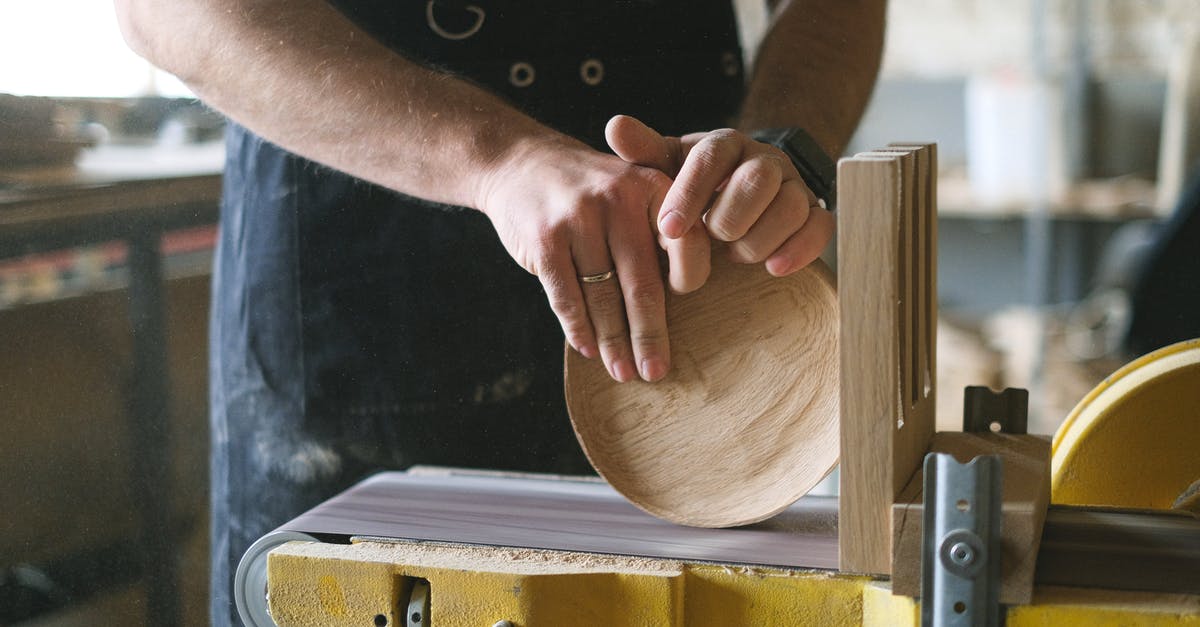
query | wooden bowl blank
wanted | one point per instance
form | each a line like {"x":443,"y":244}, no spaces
{"x":747,"y":420}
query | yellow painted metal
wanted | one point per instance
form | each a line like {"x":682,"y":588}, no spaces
{"x":728,"y":595}
{"x":1133,"y":441}
{"x":883,"y":609}
{"x":1052,"y":607}
{"x":328,"y":585}
{"x":1079,"y":607}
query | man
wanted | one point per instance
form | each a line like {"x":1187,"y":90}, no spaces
{"x":360,"y":326}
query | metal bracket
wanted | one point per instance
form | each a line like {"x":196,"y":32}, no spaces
{"x":960,"y":547}
{"x":1008,"y":411}
{"x":417,"y":611}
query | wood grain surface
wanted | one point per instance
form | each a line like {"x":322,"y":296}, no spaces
{"x":745,"y":423}
{"x":887,"y":275}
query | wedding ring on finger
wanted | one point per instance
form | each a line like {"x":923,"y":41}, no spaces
{"x":596,"y":278}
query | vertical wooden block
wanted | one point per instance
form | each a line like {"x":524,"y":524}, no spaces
{"x":870,"y":191}
{"x":887,"y":301}
{"x":926,"y":235}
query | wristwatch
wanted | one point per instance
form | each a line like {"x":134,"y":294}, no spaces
{"x":816,"y":168}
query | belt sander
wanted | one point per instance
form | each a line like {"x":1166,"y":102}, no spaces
{"x":701,"y":516}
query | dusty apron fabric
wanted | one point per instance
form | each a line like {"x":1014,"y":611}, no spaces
{"x":356,"y":329}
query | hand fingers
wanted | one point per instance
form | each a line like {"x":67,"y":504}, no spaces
{"x":751,"y":188}
{"x":688,"y":259}
{"x":557,"y":274}
{"x":605,"y":306}
{"x":613,"y":251}
{"x":783,"y":217}
{"x":645,"y":301}
{"x":707,"y":165}
{"x":688,"y":256}
{"x":805,"y":245}
{"x":639,"y":144}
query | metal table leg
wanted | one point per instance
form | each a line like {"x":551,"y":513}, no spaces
{"x":150,"y":421}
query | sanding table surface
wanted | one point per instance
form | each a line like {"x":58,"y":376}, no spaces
{"x":564,"y":514}
{"x":1123,"y":550}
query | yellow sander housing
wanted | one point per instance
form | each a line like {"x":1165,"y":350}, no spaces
{"x":1133,"y":441}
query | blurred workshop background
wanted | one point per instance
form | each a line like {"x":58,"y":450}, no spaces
{"x":1065,"y":127}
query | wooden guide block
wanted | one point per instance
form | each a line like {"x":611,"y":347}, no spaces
{"x":1025,"y":495}
{"x":887,"y":301}
{"x":887,"y":251}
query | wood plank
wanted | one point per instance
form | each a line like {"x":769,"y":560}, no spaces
{"x":921,"y":229}
{"x":1025,"y":495}
{"x":870,"y":199}
{"x":926,"y":275}
{"x":887,"y":314}
{"x":927,"y":186}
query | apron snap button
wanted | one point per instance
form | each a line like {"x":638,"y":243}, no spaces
{"x":521,"y":74}
{"x":591,"y":71}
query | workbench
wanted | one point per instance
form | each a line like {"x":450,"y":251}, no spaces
{"x":133,"y":194}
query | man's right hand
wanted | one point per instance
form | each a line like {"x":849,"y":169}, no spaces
{"x":565,"y":211}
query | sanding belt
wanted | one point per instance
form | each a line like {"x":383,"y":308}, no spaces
{"x":1080,"y":546}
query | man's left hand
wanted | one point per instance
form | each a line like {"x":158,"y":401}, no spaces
{"x":729,"y":187}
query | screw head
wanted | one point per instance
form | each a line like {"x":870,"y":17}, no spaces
{"x":962,"y":554}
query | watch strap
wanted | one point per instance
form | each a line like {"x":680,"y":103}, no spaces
{"x":816,"y":168}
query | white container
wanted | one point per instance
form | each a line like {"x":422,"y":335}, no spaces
{"x":1015,"y":152}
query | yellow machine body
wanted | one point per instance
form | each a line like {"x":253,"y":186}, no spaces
{"x":1133,"y":441}
{"x":367,"y":583}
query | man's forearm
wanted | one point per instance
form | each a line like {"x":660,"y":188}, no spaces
{"x":816,"y":68}
{"x":303,"y":76}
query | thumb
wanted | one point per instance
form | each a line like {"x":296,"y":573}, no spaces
{"x":639,"y":144}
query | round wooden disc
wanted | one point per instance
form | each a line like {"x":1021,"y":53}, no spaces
{"x":747,"y":420}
